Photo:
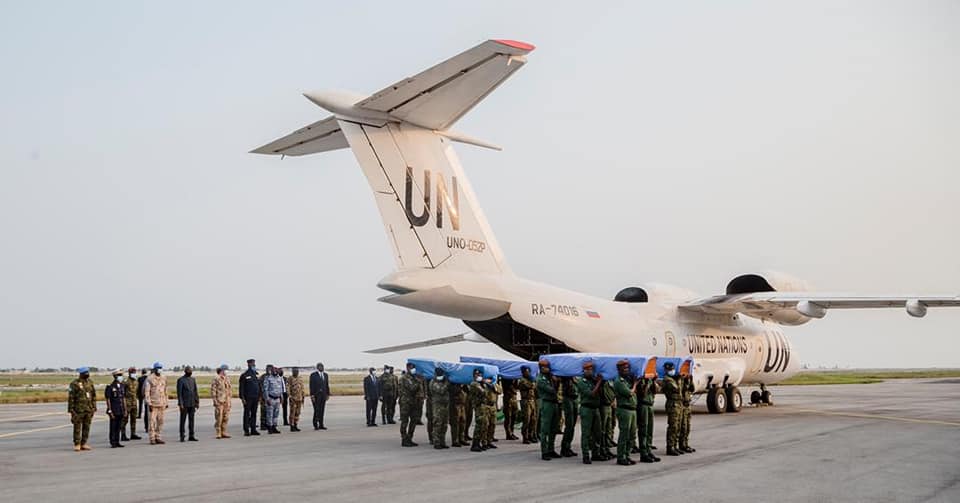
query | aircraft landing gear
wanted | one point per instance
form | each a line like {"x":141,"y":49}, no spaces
{"x":717,"y":400}
{"x":761,"y":397}
{"x":734,"y":399}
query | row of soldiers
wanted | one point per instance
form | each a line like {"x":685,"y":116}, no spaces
{"x":545,"y":404}
{"x":129,"y":398}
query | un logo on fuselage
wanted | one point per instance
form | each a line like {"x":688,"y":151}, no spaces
{"x":445,"y":201}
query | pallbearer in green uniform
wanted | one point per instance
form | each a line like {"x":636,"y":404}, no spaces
{"x":131,"y":406}
{"x":440,"y":400}
{"x":477,"y":396}
{"x":528,"y":405}
{"x":686,"y":398}
{"x":646,"y":393}
{"x":510,"y":407}
{"x":547,"y":391}
{"x":82,"y":405}
{"x":589,"y":389}
{"x":570,"y":413}
{"x":607,"y":397}
{"x":458,"y":401}
{"x":626,"y":391}
{"x":411,"y":400}
{"x":491,"y":391}
{"x":671,"y":390}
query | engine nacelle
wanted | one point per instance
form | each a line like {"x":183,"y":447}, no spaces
{"x":777,"y":282}
{"x":655,"y":292}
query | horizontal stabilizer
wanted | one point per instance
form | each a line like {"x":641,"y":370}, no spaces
{"x":461,"y":337}
{"x":321,"y":136}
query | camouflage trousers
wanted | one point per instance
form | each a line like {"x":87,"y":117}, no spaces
{"x":645,"y":429}
{"x":480,"y":426}
{"x":510,"y":411}
{"x":527,"y":419}
{"x":549,"y":426}
{"x":627,"y":419}
{"x":388,"y":408}
{"x":81,"y":427}
{"x":570,"y":414}
{"x":430,"y":419}
{"x":467,"y":417}
{"x":683,"y":433}
{"x":221,"y":415}
{"x":457,"y":424}
{"x":491,"y":421}
{"x":673,"y":425}
{"x":272,"y":410}
{"x":156,"y":422}
{"x":410,"y":413}
{"x":589,"y":430}
{"x":130,"y":418}
{"x":441,"y":416}
{"x":296,"y":406}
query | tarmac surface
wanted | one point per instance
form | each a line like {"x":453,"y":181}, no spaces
{"x":892,"y":441}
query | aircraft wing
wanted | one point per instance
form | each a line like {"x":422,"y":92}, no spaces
{"x":435,"y":98}
{"x":461,"y":337}
{"x":321,"y":136}
{"x":814,"y":305}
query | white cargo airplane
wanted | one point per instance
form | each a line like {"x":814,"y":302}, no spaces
{"x":449,"y":263}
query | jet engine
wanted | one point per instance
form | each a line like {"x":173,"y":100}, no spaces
{"x":777,"y":282}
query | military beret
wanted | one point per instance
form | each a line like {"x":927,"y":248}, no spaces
{"x":588,"y":364}
{"x":544,"y":363}
{"x":623,"y":363}
{"x":83,"y":370}
{"x":668,"y":365}
{"x":223,"y":366}
{"x":132,"y":369}
{"x":157,"y":365}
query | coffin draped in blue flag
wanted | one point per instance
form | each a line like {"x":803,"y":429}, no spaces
{"x":457,"y":373}
{"x":509,"y":369}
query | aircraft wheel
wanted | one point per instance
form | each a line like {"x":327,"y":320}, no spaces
{"x":734,"y":399}
{"x":716,"y":401}
{"x":766,"y":397}
{"x":755,"y":397}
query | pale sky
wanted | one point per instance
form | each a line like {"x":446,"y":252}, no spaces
{"x":673,"y":142}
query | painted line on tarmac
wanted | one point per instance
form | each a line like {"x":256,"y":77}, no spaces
{"x":879,"y":416}
{"x":57,"y":427}
{"x":20,"y":418}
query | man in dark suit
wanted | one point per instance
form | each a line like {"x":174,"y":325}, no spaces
{"x":250,"y":397}
{"x":371,"y":393}
{"x":319,"y":394}
{"x":142,"y":409}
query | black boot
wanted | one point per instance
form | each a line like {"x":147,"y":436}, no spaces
{"x":672,"y":452}
{"x":123,"y":438}
{"x":475,"y":447}
{"x":586,"y":459}
{"x":568,"y":453}
{"x":546,"y":457}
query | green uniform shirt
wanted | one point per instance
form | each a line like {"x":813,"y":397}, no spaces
{"x":410,"y":389}
{"x":585,"y":390}
{"x":606,"y":394}
{"x":626,"y":398}
{"x":490,"y":393}
{"x":82,"y":397}
{"x":527,"y":389}
{"x":671,"y":389}
{"x":686,"y":390}
{"x":647,"y":392}
{"x":545,"y":389}
{"x":440,"y":392}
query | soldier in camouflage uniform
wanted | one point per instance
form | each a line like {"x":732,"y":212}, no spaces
{"x":411,"y":403}
{"x":221,"y":393}
{"x":297,"y":396}
{"x":131,"y":406}
{"x":263,"y":403}
{"x":155,"y":393}
{"x":510,"y":407}
{"x":570,"y":409}
{"x":458,"y":401}
{"x":440,"y":400}
{"x":589,"y":388}
{"x":82,"y":405}
{"x":490,"y":393}
{"x":686,"y":398}
{"x":478,"y":399}
{"x":528,"y":398}
{"x":671,"y":389}
{"x":549,"y":421}
{"x":607,"y":397}
{"x":429,"y":410}
{"x":468,"y":414}
{"x":388,"y":395}
{"x":272,"y":396}
{"x":626,"y":390}
{"x":646,"y":393}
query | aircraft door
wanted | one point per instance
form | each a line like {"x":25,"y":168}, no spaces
{"x":671,"y":344}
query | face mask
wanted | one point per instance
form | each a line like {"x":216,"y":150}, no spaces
{"x":119,"y":378}
{"x":132,"y":375}
{"x":158,"y":371}
{"x":479,"y":379}
{"x":671,"y":373}
{"x":413,"y":371}
{"x":439,"y":378}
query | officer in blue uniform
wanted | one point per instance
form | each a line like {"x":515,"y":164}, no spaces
{"x":250,"y":397}
{"x":115,"y":396}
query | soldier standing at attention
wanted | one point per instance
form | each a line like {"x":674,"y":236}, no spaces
{"x":491,"y":391}
{"x":371,"y":396}
{"x":263,"y":404}
{"x":510,"y":407}
{"x":671,"y":389}
{"x":115,"y":397}
{"x":297,"y":396}
{"x":570,"y":413}
{"x":477,"y":399}
{"x":626,"y":391}
{"x":468,"y":413}
{"x":272,"y":394}
{"x":645,"y":396}
{"x":391,"y":386}
{"x":250,"y":398}
{"x":458,"y":400}
{"x":686,"y":398}
{"x":383,"y":386}
{"x":221,"y":394}
{"x":588,"y":389}
{"x":411,"y":400}
{"x":188,"y":400}
{"x":528,"y":397}
{"x":143,"y":410}
{"x":130,"y":408}
{"x":547,"y":391}
{"x":155,"y":393}
{"x":285,"y":400}
{"x":319,"y":394}
{"x":82,"y":405}
{"x":440,"y":398}
{"x":607,"y":397}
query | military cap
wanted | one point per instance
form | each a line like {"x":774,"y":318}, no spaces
{"x":118,"y":372}
{"x":544,"y":363}
{"x":132,"y":369}
{"x":668,"y":365}
{"x":83,"y":370}
{"x":623,"y":363}
{"x":588,"y":364}
{"x":157,"y":365}
{"x":251,"y":360}
{"x":385,"y":367}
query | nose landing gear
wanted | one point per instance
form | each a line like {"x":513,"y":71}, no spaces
{"x":761,"y":397}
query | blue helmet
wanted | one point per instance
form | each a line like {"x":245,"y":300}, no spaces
{"x":157,"y":365}
{"x":83,"y":370}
